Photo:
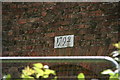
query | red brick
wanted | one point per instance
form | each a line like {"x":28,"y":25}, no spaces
{"x":36,"y":4}
{"x":115,"y":23}
{"x":50,"y":3}
{"x":33,"y":19}
{"x":84,"y":4}
{"x":33,"y":53}
{"x":96,"y":13}
{"x":100,"y":19}
{"x":10,"y":33}
{"x":105,"y":29}
{"x":13,"y":6}
{"x":30,"y":31}
{"x":49,"y":34}
{"x":83,"y":26}
{"x":77,"y":38}
{"x":100,"y":51}
{"x":59,"y":24}
{"x":105,"y":24}
{"x":61,"y":28}
{"x":45,"y":23}
{"x":22,"y":21}
{"x":93,"y":50}
{"x":64,"y":22}
{"x":109,"y":35}
{"x":84,"y":31}
{"x":44,"y":13}
{"x":111,"y":47}
{"x":84,"y":14}
{"x":70,"y":16}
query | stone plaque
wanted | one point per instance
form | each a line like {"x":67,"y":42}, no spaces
{"x":64,"y":41}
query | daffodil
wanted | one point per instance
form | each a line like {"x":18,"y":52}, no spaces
{"x":38,"y":65}
{"x":117,"y":45}
{"x":28,"y":71}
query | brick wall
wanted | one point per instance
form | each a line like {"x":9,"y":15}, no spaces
{"x":29,"y":28}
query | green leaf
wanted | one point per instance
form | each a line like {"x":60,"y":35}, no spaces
{"x":38,"y":65}
{"x":27,"y":77}
{"x":7,"y":77}
{"x":45,"y":76}
{"x":48,"y":71}
{"x":39,"y":72}
{"x":81,"y":76}
{"x":28,"y":71}
{"x":38,"y":75}
{"x":117,"y":45}
{"x":114,"y":77}
{"x":108,"y":71}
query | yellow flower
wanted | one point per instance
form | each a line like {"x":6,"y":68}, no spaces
{"x":81,"y":76}
{"x":28,"y":71}
{"x":38,"y":65}
{"x":117,"y":45}
{"x":27,"y":77}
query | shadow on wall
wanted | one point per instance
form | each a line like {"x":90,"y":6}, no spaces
{"x":71,"y":71}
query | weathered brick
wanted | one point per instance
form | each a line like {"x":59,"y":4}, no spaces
{"x":105,"y":23}
{"x":36,"y":4}
{"x":22,"y":21}
{"x":10,"y":33}
{"x":30,"y":29}
{"x":96,"y":13}
{"x":84,"y":31}
{"x":50,"y":34}
{"x":111,"y":46}
{"x":100,"y":51}
{"x":87,"y":21}
{"x":83,"y":26}
{"x":44,"y":13}
{"x":64,"y":22}
{"x":93,"y":50}
{"x":33,"y":19}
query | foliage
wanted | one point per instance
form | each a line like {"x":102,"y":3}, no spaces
{"x":116,"y":54}
{"x":40,"y":71}
{"x":117,"y":45}
{"x":81,"y":76}
{"x":7,"y":77}
{"x":37,"y":72}
{"x":114,"y":75}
